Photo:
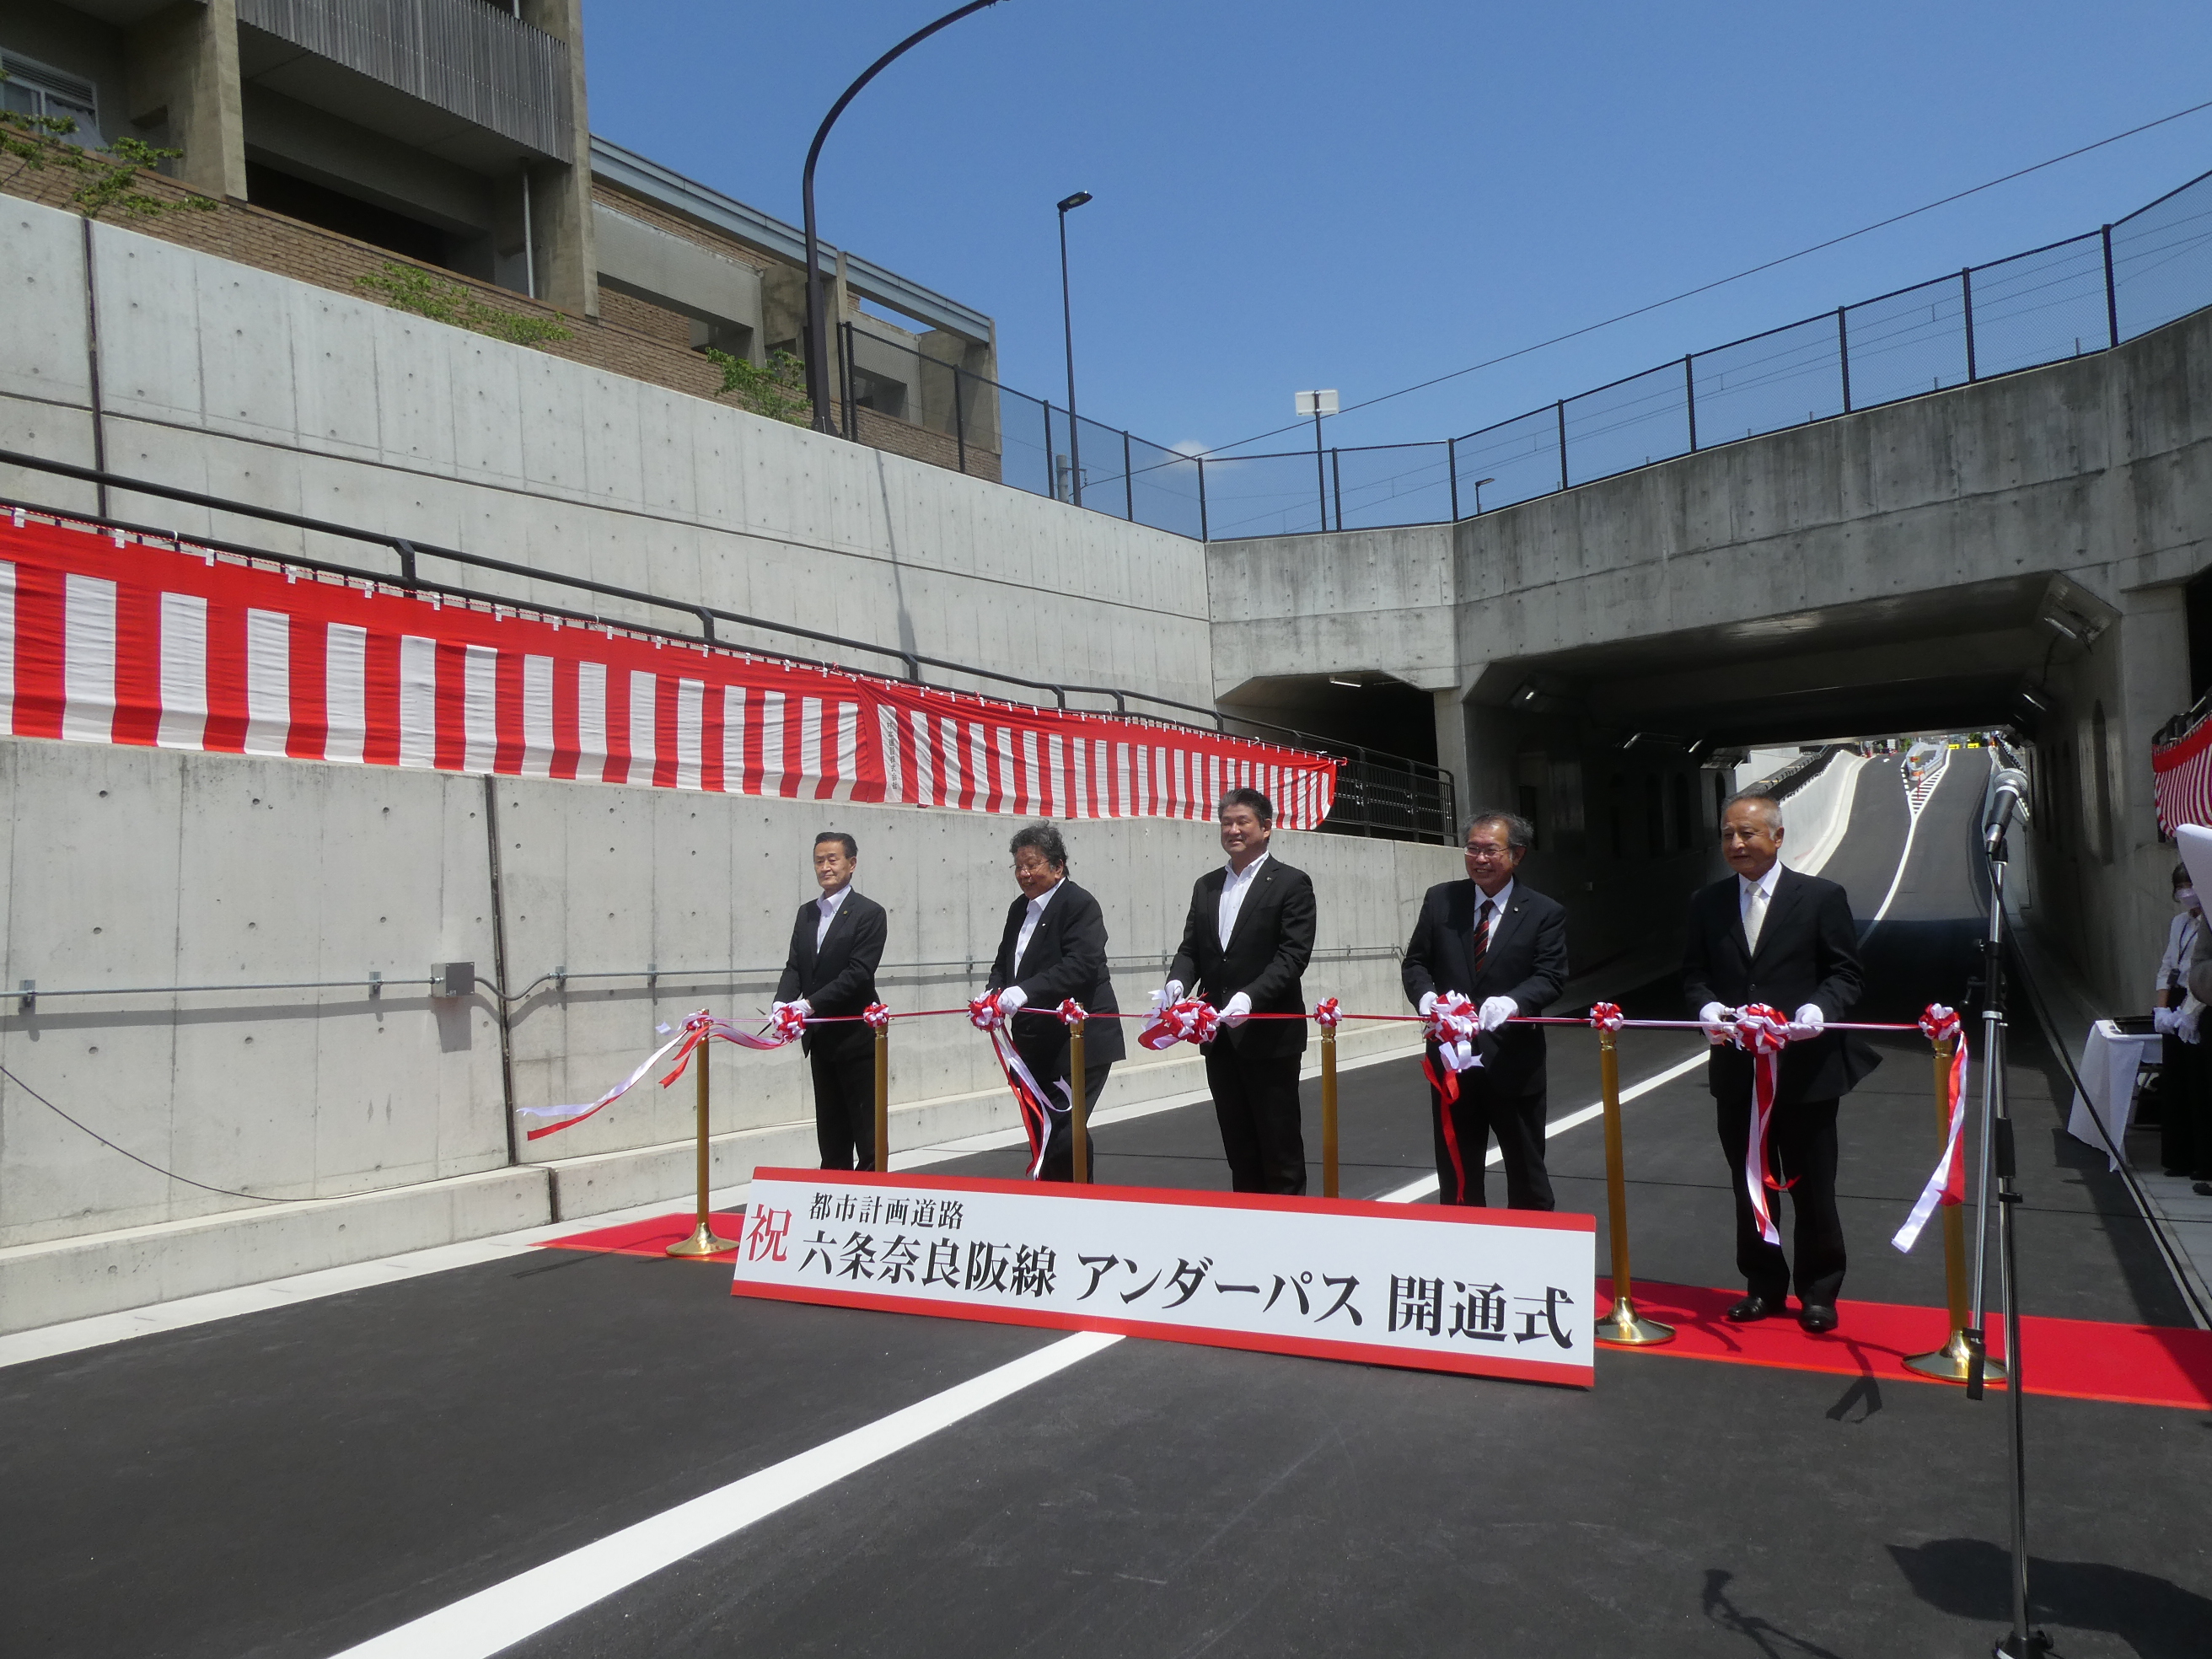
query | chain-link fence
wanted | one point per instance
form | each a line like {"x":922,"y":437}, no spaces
{"x":2088,"y":293}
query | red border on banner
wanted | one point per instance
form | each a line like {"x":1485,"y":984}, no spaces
{"x":1307,"y":1347}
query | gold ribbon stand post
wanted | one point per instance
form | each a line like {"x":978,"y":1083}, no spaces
{"x":702,"y":1240}
{"x":1622,"y":1327}
{"x":884,"y":1098}
{"x":1328,"y":1111}
{"x":1949,"y":1362}
{"x":1079,"y":1104}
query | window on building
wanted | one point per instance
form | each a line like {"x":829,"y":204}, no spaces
{"x":34,"y":89}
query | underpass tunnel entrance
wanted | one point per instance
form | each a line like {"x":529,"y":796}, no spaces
{"x":1622,"y":752}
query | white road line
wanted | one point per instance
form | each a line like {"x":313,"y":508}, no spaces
{"x":495,"y":1618}
{"x":1911,"y":829}
{"x":1414,"y":1192}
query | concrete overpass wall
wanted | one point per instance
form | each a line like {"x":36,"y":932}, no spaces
{"x":224,"y":379}
{"x":1869,"y":572}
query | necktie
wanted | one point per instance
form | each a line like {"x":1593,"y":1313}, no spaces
{"x":1481,"y":938}
{"x":1754,"y":915}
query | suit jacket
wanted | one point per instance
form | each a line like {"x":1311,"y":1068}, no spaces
{"x":1268,"y":950}
{"x":841,"y":977}
{"x":1526,"y":961}
{"x":1808,"y":952}
{"x":1067,"y":957}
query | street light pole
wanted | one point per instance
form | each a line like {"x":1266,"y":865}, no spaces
{"x":818,"y":321}
{"x":1067,"y":325}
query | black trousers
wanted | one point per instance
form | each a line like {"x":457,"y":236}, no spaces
{"x":1060,"y":1151}
{"x":2185,"y":1131}
{"x":1801,"y":1150}
{"x":1256,"y":1104}
{"x":1462,"y":1132}
{"x":845,"y":1105}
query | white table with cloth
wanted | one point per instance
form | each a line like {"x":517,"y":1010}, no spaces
{"x":2109,"y":1059}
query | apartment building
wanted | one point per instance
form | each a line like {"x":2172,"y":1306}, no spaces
{"x":453,"y":134}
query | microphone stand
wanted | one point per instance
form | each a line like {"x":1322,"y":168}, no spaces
{"x":1996,"y":1131}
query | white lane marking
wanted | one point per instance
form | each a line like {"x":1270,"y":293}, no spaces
{"x":495,"y":1618}
{"x":1916,"y":808}
{"x":1414,"y":1192}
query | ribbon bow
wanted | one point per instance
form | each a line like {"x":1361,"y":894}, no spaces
{"x":1762,"y":1032}
{"x":1071,"y":1012}
{"x":789,"y":1025}
{"x":1607,"y":1015}
{"x":1451,"y":1024}
{"x":877,"y":1015}
{"x":1189,"y":1021}
{"x":984,"y":1012}
{"x":1760,"y":1029}
{"x":1939,"y":1023}
{"x":1327,"y":1014}
{"x":1947,"y":1185}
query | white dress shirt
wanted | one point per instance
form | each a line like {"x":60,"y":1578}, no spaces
{"x":1029,"y":930}
{"x":2173,"y":966}
{"x":1233,"y":889}
{"x":826,"y":905}
{"x":1754,"y":911}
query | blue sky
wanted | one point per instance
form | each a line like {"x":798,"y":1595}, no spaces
{"x":1298,"y":194}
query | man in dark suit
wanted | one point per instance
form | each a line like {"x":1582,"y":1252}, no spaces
{"x":837,"y":945}
{"x":1245,"y":945}
{"x":1055,"y":948}
{"x":1769,"y":935}
{"x":1503,"y":945}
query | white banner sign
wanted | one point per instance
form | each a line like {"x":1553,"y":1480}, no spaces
{"x":1492,"y":1292}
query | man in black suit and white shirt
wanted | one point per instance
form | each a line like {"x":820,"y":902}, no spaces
{"x":1055,"y":948}
{"x":1503,"y":945}
{"x":1770,"y":935}
{"x":837,"y":945}
{"x":1245,"y":945}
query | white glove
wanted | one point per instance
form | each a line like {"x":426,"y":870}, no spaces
{"x":1012,"y":999}
{"x":1808,"y":1023}
{"x":805,"y":1008}
{"x":1496,"y":1011}
{"x":2185,"y":1024}
{"x":1428,"y":1003}
{"x":1168,"y":995}
{"x":1236,"y":1010}
{"x":2166,"y":1022}
{"x":1715,"y":1018}
{"x":799,"y":1006}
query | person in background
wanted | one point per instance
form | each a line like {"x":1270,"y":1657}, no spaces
{"x":837,"y":945}
{"x":2184,"y":1134}
{"x":1054,"y":948}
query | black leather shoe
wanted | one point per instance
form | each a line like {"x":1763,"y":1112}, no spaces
{"x":1750,"y":1310}
{"x":2202,"y":1189}
{"x":1815,"y":1318}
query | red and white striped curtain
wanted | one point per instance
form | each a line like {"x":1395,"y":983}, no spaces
{"x":108,"y":638}
{"x":2181,"y":774}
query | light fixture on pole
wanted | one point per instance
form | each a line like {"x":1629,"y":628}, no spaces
{"x":818,"y":321}
{"x":1478,"y":483}
{"x":1318,"y":404}
{"x":1067,"y":325}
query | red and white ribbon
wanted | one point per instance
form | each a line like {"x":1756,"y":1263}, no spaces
{"x":696,"y":1028}
{"x":1947,"y":1185}
{"x":876,"y":1016}
{"x":1072,"y":1012}
{"x":1451,"y":1024}
{"x":1607,"y":1015}
{"x":1031,"y":1098}
{"x":1762,"y":1032}
{"x":984,"y":1012}
{"x":1188,"y":1021}
{"x":787,"y":1023}
{"x":1327,"y":1014}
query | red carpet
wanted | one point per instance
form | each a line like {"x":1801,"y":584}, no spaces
{"x":2071,"y":1359}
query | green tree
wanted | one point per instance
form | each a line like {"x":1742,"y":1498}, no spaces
{"x":411,"y":288}
{"x":110,"y":176}
{"x":777,"y":391}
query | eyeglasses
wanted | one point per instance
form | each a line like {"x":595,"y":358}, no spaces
{"x":1482,"y":852}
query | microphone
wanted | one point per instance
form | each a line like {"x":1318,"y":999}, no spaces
{"x":2007,"y":784}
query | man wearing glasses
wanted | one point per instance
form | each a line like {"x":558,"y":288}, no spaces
{"x":1503,"y":947}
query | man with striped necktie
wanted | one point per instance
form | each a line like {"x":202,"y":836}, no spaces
{"x":1504,"y":946}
